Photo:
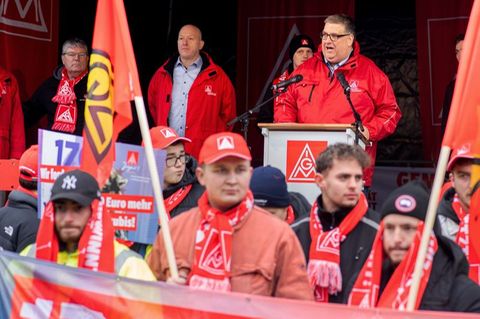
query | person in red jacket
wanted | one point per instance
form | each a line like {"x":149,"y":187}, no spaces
{"x":12,"y":134}
{"x":190,"y":93}
{"x":320,"y":98}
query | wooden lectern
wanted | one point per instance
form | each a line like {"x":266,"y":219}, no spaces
{"x":293,"y":148}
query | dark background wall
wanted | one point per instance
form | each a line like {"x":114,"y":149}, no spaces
{"x":386,"y":33}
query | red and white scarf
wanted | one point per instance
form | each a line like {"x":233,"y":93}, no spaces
{"x":213,"y":247}
{"x":176,"y":198}
{"x":463,"y":240}
{"x":95,"y":247}
{"x":395,"y":295}
{"x":66,"y":113}
{"x":324,"y":265}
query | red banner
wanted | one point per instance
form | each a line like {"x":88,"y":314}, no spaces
{"x":112,"y":84}
{"x":438,"y":23}
{"x":29,"y":41}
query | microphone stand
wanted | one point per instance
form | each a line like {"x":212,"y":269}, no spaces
{"x":358,"y":120}
{"x":245,"y":117}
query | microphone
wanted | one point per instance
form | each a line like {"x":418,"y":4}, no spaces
{"x":286,"y":83}
{"x":343,"y":83}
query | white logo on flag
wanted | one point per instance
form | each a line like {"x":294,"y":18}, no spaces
{"x":225,"y":143}
{"x":304,"y":169}
{"x":66,"y":116}
{"x":167,"y":133}
{"x":69,"y":182}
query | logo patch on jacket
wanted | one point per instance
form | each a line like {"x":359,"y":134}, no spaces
{"x":209,"y":90}
{"x":354,"y":87}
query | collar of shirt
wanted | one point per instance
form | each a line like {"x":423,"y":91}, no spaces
{"x":333,"y":67}
{"x":197,"y":64}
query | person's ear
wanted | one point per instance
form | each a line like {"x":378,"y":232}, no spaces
{"x":202,"y":43}
{"x":320,"y":180}
{"x":200,"y":175}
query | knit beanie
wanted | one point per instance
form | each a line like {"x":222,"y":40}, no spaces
{"x":300,"y":41}
{"x":411,"y":199}
{"x":269,"y":187}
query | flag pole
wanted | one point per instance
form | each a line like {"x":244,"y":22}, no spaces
{"x":157,"y":191}
{"x":429,"y":222}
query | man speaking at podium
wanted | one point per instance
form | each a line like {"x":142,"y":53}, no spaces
{"x":335,"y":76}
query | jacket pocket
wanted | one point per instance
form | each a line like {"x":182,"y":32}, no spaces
{"x":253,"y":279}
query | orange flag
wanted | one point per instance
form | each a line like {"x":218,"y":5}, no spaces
{"x":463,"y":126}
{"x":112,"y":84}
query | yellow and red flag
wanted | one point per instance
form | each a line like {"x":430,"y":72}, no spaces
{"x":463,"y":126}
{"x":112,"y":84}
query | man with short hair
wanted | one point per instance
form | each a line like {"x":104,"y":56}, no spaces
{"x":62,"y":97}
{"x":226,"y":243}
{"x":385,"y":279}
{"x":454,"y":207}
{"x":320,"y":98}
{"x":76,"y":231}
{"x":181,"y":189}
{"x":18,"y":218}
{"x":269,"y":188}
{"x":190,"y":93}
{"x":338,"y":235}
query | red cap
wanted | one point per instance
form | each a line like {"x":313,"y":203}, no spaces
{"x":28,"y":164}
{"x":164,"y":136}
{"x":461,"y":152}
{"x":220,"y":145}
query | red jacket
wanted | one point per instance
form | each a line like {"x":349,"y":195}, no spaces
{"x":12,"y":134}
{"x":211,"y":101}
{"x":319,"y":98}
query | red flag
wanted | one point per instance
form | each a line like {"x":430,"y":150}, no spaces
{"x":112,"y":84}
{"x":463,"y":126}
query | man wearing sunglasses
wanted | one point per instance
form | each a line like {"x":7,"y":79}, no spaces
{"x":320,"y":98}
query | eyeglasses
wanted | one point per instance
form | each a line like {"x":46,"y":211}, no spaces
{"x":73,"y":55}
{"x":333,"y":36}
{"x":172,"y":161}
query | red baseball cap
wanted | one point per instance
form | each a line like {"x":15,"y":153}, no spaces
{"x":28,"y":164}
{"x":220,"y":145}
{"x":461,"y":152}
{"x":164,"y":136}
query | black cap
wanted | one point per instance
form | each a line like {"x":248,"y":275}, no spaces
{"x":76,"y":185}
{"x":411,"y":199}
{"x":269,"y":187}
{"x":300,"y":41}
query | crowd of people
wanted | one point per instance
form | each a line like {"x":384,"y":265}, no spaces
{"x":236,"y":228}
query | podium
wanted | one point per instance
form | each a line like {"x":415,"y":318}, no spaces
{"x":293,"y":148}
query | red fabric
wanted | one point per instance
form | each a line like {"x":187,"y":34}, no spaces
{"x":324,"y":265}
{"x":213,"y":246}
{"x":112,"y":69}
{"x":96,"y":243}
{"x":290,"y":215}
{"x":395,"y":295}
{"x":66,"y":113}
{"x":176,"y":198}
{"x":463,"y":239}
{"x":206,"y":114}
{"x":12,"y":133}
{"x":317,"y":99}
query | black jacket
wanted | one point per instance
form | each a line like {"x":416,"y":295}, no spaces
{"x":446,"y":216}
{"x":354,"y":250}
{"x":18,"y":222}
{"x":41,"y":104}
{"x":192,"y":197}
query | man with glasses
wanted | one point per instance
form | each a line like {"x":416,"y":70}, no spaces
{"x":61,"y":98}
{"x":320,"y":98}
{"x":181,"y":189}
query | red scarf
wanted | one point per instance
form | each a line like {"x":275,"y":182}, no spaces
{"x":96,"y":243}
{"x":324,"y":265}
{"x":66,"y":112}
{"x":176,"y":198}
{"x":463,"y":240}
{"x":395,"y":295}
{"x":213,"y":247}
{"x":290,"y":215}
